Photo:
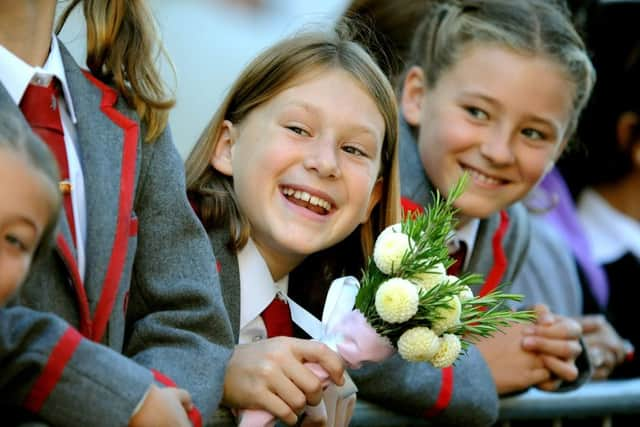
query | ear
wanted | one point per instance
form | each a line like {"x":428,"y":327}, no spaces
{"x":376,"y":194}
{"x":626,"y":128}
{"x":223,"y":151}
{"x":413,"y":92}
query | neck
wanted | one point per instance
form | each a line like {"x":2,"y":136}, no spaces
{"x":25,"y":28}
{"x":279,"y":264}
{"x":623,"y":194}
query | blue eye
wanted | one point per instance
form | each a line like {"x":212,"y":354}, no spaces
{"x":298,"y":130}
{"x":354,"y":150}
{"x":533,"y":134}
{"x":477,"y":113}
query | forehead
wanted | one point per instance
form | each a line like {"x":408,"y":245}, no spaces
{"x":25,"y":193}
{"x":334,"y":92}
{"x":528,"y":82}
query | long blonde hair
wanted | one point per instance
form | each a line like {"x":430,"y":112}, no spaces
{"x":122,"y":48}
{"x":266,"y":76}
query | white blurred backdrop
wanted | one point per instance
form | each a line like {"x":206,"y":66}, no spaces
{"x":209,"y":42}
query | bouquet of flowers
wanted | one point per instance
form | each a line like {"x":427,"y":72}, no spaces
{"x":405,"y":302}
{"x":406,"y":295}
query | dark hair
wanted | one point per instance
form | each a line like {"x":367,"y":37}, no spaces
{"x":613,"y":37}
{"x":17,"y":137}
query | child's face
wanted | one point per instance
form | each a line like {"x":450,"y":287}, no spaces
{"x":25,"y":210}
{"x":305,"y":166}
{"x":501,"y":116}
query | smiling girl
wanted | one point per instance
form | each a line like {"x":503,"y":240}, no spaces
{"x":300,"y":159}
{"x":495,"y":89}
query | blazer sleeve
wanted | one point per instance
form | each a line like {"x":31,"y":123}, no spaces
{"x":47,"y":367}
{"x":461,"y":395}
{"x":176,"y":321}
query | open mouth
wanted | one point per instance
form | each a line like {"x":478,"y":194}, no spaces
{"x":307,"y":201}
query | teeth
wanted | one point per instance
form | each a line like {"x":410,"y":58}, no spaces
{"x":483,"y":178}
{"x":306,"y":197}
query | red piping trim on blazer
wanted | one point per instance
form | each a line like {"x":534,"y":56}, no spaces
{"x":125,"y":204}
{"x":445,"y":394}
{"x":493,"y":278}
{"x":58,"y":359}
{"x":194,"y":414}
{"x":72,"y":267}
{"x":500,"y":258}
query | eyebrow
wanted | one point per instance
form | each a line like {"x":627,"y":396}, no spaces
{"x":310,"y":108}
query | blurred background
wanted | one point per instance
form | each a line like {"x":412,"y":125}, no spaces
{"x":209,"y":42}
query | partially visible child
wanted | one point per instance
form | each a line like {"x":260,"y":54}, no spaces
{"x":127,"y":302}
{"x":30,"y":201}
{"x":298,"y":164}
{"x":495,"y":89}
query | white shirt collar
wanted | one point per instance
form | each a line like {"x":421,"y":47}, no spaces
{"x":257,"y":288}
{"x":611,"y":233}
{"x":15,"y":74}
{"x":467,"y":234}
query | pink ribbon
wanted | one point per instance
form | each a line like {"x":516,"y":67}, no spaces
{"x":356,"y":342}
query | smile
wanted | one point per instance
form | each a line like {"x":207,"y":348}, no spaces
{"x":306,"y":200}
{"x":481,"y":178}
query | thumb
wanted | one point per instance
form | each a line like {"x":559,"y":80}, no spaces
{"x":185,"y":398}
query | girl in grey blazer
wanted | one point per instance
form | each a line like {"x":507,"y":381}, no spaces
{"x":97,"y":347}
{"x":467,"y":114}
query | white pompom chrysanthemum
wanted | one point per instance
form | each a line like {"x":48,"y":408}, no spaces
{"x":397,"y":300}
{"x":465,"y":294}
{"x":448,"y":316}
{"x":448,"y":351}
{"x":390,"y":247}
{"x":418,"y":344}
{"x":431,"y":277}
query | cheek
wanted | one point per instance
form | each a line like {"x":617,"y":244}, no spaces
{"x":534,"y":165}
{"x":14,"y":271}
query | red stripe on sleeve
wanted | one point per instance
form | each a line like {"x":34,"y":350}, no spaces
{"x":444,"y":397}
{"x":58,"y":359}
{"x":194,"y":413}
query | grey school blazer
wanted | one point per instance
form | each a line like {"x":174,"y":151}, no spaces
{"x":409,"y":388}
{"x":150,"y":306}
{"x":515,"y":242}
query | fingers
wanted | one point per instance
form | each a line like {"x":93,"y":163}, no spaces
{"x":561,"y":328}
{"x":602,"y":361}
{"x":550,"y":385}
{"x":563,"y":369}
{"x":543,"y":314}
{"x":305,"y":381}
{"x":314,"y":351}
{"x":276,"y":406}
{"x":560,"y":348}
{"x":185,"y":398}
{"x":592,"y":323}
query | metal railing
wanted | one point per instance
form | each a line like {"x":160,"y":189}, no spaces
{"x":598,"y":399}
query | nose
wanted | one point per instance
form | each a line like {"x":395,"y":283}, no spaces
{"x":497,"y":146}
{"x":322,"y":158}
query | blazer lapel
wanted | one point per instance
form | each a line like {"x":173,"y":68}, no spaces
{"x":107,"y":141}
